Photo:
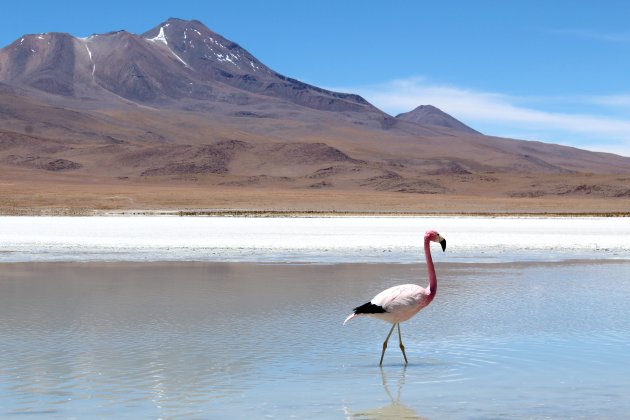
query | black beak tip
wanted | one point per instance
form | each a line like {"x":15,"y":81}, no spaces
{"x":443,"y":243}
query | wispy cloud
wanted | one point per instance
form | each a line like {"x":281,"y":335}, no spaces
{"x":621,"y":101}
{"x":502,"y":115}
{"x":617,"y":37}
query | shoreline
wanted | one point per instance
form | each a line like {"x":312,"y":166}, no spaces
{"x":303,"y":213}
{"x":420,"y":264}
{"x":315,"y":213}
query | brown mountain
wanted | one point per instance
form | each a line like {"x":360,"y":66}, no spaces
{"x":178,"y":64}
{"x":181,"y":103}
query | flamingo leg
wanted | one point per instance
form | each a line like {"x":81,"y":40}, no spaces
{"x":385,"y":344}
{"x":401,"y":345}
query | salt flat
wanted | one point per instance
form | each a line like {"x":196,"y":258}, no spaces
{"x":304,"y":239}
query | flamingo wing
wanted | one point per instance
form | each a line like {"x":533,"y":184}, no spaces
{"x":395,"y":304}
{"x":400,"y":298}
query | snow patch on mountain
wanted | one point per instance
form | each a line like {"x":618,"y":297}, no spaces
{"x":161,"y":37}
{"x":91,"y":60}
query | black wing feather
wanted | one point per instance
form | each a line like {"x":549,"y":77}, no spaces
{"x":369,"y":308}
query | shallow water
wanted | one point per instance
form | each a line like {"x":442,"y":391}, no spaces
{"x":219,"y":340}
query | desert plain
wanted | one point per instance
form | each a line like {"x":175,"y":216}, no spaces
{"x":25,"y":193}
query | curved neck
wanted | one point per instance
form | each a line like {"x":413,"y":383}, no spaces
{"x":430,"y":267}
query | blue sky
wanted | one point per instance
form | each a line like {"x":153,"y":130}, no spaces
{"x":556,"y":71}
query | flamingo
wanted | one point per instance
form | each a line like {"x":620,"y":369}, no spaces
{"x":399,"y":303}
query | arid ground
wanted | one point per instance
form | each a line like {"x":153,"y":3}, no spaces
{"x":57,"y":194}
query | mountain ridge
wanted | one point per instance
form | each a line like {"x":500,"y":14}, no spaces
{"x":57,"y":62}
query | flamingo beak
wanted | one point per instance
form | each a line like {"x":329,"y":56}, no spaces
{"x":443,"y":243}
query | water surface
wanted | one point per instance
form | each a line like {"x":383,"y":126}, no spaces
{"x":223,"y":340}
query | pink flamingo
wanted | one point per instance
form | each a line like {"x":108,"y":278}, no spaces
{"x":399,"y":303}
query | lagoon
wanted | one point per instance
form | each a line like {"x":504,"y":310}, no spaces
{"x":543,"y":337}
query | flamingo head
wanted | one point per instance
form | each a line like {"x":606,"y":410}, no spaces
{"x":436,"y":237}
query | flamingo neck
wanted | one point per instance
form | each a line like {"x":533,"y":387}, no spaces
{"x":430,"y":268}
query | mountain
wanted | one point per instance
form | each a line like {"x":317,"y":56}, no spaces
{"x":180,"y":103}
{"x":174,"y":65}
{"x":430,"y":115}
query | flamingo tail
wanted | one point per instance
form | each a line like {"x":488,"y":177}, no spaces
{"x":352,"y":315}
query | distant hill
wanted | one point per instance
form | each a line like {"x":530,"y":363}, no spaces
{"x":430,"y":115}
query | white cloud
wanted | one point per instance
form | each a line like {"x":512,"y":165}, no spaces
{"x":499,"y":114}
